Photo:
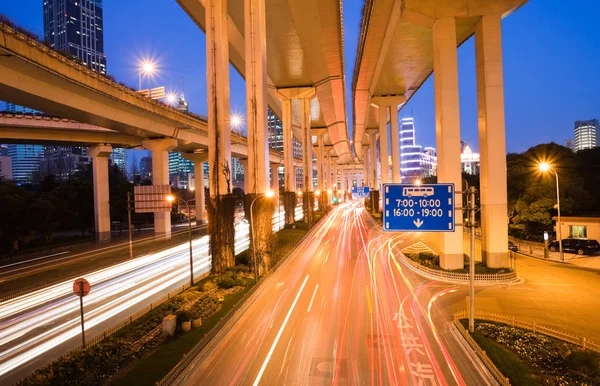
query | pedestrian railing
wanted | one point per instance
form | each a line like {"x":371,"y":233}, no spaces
{"x":497,"y":374}
{"x":580,"y":341}
{"x":460,"y":278}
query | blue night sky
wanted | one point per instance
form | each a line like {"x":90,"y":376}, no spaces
{"x":551,"y":60}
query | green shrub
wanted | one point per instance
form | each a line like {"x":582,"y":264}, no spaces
{"x":227,"y":280}
{"x":586,"y":362}
{"x":184,"y":316}
{"x":413,"y":256}
{"x":205,"y":307}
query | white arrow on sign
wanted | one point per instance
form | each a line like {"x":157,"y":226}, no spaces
{"x":418,"y":222}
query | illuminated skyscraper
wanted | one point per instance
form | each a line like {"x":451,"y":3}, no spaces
{"x":586,"y":134}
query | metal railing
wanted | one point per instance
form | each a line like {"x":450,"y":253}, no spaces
{"x":580,"y":341}
{"x":497,"y":374}
{"x":460,"y":278}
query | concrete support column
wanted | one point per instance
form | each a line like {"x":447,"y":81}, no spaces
{"x":308,"y":196}
{"x":160,"y":176}
{"x":100,"y":154}
{"x":445,"y":67}
{"x":198,"y":159}
{"x":372,"y":133}
{"x":492,"y":141}
{"x":366,"y":165}
{"x":221,"y":227}
{"x":383,"y":145}
{"x":256,"y":95}
{"x":395,"y":141}
{"x":275,"y":178}
{"x":320,"y":158}
{"x":289,"y":181}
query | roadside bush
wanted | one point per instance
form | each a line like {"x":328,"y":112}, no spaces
{"x":240,"y":268}
{"x":227,"y":280}
{"x":205,"y":307}
{"x":184,"y":316}
{"x":587,"y":362}
{"x":206,"y":286}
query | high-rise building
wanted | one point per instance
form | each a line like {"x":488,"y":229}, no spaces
{"x":146,"y":168}
{"x":179,"y":168}
{"x":5,"y":167}
{"x":570,"y":143}
{"x":119,"y":157}
{"x":586,"y":134}
{"x":182,"y":105}
{"x":275,"y":131}
{"x":25,"y":161}
{"x":76,"y":29}
{"x":415,"y":162}
{"x":63,"y":161}
{"x":3,"y":150}
{"x":468,"y":159}
{"x":16,"y":109}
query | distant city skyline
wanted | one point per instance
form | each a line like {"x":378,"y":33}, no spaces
{"x":534,"y":53}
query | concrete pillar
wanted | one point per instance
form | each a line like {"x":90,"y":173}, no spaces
{"x":320,"y":133}
{"x":289,"y":170}
{"x":395,"y":141}
{"x":309,"y":202}
{"x":256,"y":95}
{"x":100,"y":154}
{"x":295,"y":180}
{"x":198,"y":159}
{"x":372,"y":133}
{"x":366,"y":166}
{"x":492,"y":141}
{"x":383,"y":145}
{"x":275,"y":178}
{"x":220,"y":226}
{"x":445,"y":67}
{"x":160,"y":176}
{"x":392,"y":102}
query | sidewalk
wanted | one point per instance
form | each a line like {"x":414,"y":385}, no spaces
{"x":536,"y":250}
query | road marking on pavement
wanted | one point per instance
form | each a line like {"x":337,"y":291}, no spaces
{"x":264,"y":365}
{"x":313,"y":298}
{"x":556,"y":284}
{"x":369,"y":299}
{"x":30,"y":260}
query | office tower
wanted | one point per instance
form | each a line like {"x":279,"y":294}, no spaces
{"x":119,"y":157}
{"x":25,"y":161}
{"x":275,"y":131}
{"x":415,"y":162}
{"x":146,"y":168}
{"x":16,"y":109}
{"x":5,"y":167}
{"x":570,"y":143}
{"x":179,"y":168}
{"x":469,"y":160}
{"x":63,"y":161}
{"x":586,"y":134}
{"x":76,"y":29}
{"x":182,"y":105}
{"x":3,"y":150}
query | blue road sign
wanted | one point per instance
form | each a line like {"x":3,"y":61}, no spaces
{"x":360,"y":191}
{"x":418,"y":208}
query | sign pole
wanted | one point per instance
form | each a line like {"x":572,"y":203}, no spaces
{"x":129,"y":218}
{"x":472,"y":260}
{"x":81,"y":294}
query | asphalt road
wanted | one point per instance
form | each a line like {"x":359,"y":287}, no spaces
{"x":340,"y":310}
{"x":39,"y":327}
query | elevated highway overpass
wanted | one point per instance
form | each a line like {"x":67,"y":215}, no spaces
{"x":401,"y":44}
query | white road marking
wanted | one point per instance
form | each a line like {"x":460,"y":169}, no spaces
{"x":312,"y":299}
{"x":264,"y":365}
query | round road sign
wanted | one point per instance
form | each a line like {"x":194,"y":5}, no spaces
{"x":81,"y":287}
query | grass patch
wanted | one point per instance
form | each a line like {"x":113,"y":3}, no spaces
{"x":155,"y":366}
{"x":516,"y":370}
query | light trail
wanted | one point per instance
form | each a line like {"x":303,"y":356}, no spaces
{"x":36,"y":324}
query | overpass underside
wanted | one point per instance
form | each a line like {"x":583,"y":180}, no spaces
{"x":401,"y":44}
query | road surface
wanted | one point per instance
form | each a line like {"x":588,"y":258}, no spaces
{"x":340,"y":310}
{"x":39,"y":327}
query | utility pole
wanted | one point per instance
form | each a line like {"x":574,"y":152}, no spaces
{"x":472,"y":260}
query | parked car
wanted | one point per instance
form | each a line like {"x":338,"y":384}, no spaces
{"x":579,"y":246}
{"x":512,"y":247}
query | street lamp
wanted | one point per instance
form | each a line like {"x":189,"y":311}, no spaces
{"x":146,"y":68}
{"x":268,"y":194}
{"x":172,"y":198}
{"x":544,"y":167}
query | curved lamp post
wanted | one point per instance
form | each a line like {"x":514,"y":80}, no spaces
{"x":544,"y":167}
{"x":172,"y":198}
{"x":269,"y":194}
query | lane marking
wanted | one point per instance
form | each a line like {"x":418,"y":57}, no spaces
{"x":30,"y":260}
{"x":554,"y":284}
{"x":312,"y":299}
{"x":369,"y":299}
{"x":264,"y":365}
